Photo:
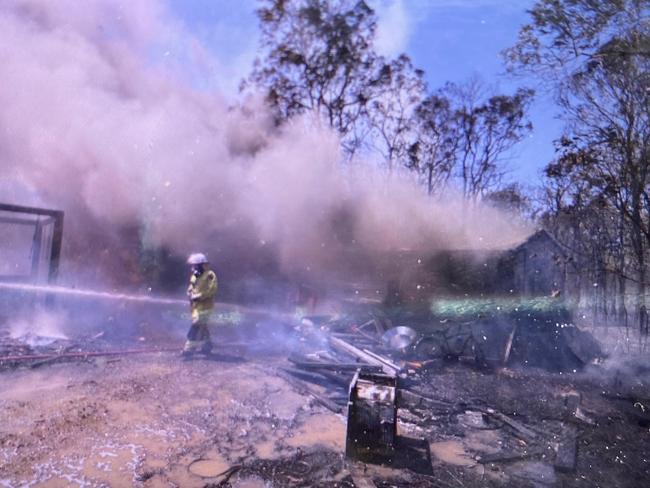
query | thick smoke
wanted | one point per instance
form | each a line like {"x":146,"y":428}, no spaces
{"x":104,"y":113}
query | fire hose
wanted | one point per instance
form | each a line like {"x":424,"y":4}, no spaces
{"x":85,"y":354}
{"x":113,"y":352}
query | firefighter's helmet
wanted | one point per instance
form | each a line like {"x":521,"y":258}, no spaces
{"x":197,"y":258}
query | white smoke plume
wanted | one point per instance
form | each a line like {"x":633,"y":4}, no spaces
{"x":44,"y":327}
{"x":104,"y":114}
{"x":393,"y":27}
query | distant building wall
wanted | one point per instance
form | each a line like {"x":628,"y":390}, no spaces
{"x":538,"y":266}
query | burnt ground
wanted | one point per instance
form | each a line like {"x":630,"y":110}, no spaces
{"x":158,"y":420}
{"x":143,"y":421}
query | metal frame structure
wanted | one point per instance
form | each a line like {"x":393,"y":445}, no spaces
{"x":53,"y":217}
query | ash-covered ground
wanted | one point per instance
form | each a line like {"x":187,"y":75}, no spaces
{"x":234,"y":419}
{"x":143,"y":422}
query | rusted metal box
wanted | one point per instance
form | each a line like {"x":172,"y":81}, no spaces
{"x":372,"y":418}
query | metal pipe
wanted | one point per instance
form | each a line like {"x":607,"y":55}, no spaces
{"x":6,"y":207}
{"x":57,"y":242}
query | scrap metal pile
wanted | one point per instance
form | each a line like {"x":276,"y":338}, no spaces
{"x":486,"y":332}
{"x":435,"y":393}
{"x":380,"y":375}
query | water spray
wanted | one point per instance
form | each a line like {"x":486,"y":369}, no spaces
{"x":104,"y":295}
{"x":63,"y":290}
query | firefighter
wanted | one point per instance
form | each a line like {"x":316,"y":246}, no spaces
{"x":201,"y":292}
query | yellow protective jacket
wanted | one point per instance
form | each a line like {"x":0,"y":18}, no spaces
{"x":201,"y":292}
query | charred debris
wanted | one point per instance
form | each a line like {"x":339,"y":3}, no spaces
{"x":486,"y":385}
{"x":454,"y":391}
{"x":496,"y":382}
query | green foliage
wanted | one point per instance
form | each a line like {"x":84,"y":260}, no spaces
{"x":228,"y":318}
{"x":319,"y":57}
{"x":464,"y":133}
{"x":475,"y":308}
{"x":565,"y":35}
{"x":595,"y":57}
{"x":391,"y":114}
{"x":511,"y":197}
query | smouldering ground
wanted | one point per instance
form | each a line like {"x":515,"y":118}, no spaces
{"x":157,"y":420}
{"x":144,"y":420}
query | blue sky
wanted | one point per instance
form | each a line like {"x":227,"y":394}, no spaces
{"x":452,"y":40}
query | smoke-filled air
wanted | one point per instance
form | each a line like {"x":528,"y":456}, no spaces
{"x":324,"y":243}
{"x":101,"y":120}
